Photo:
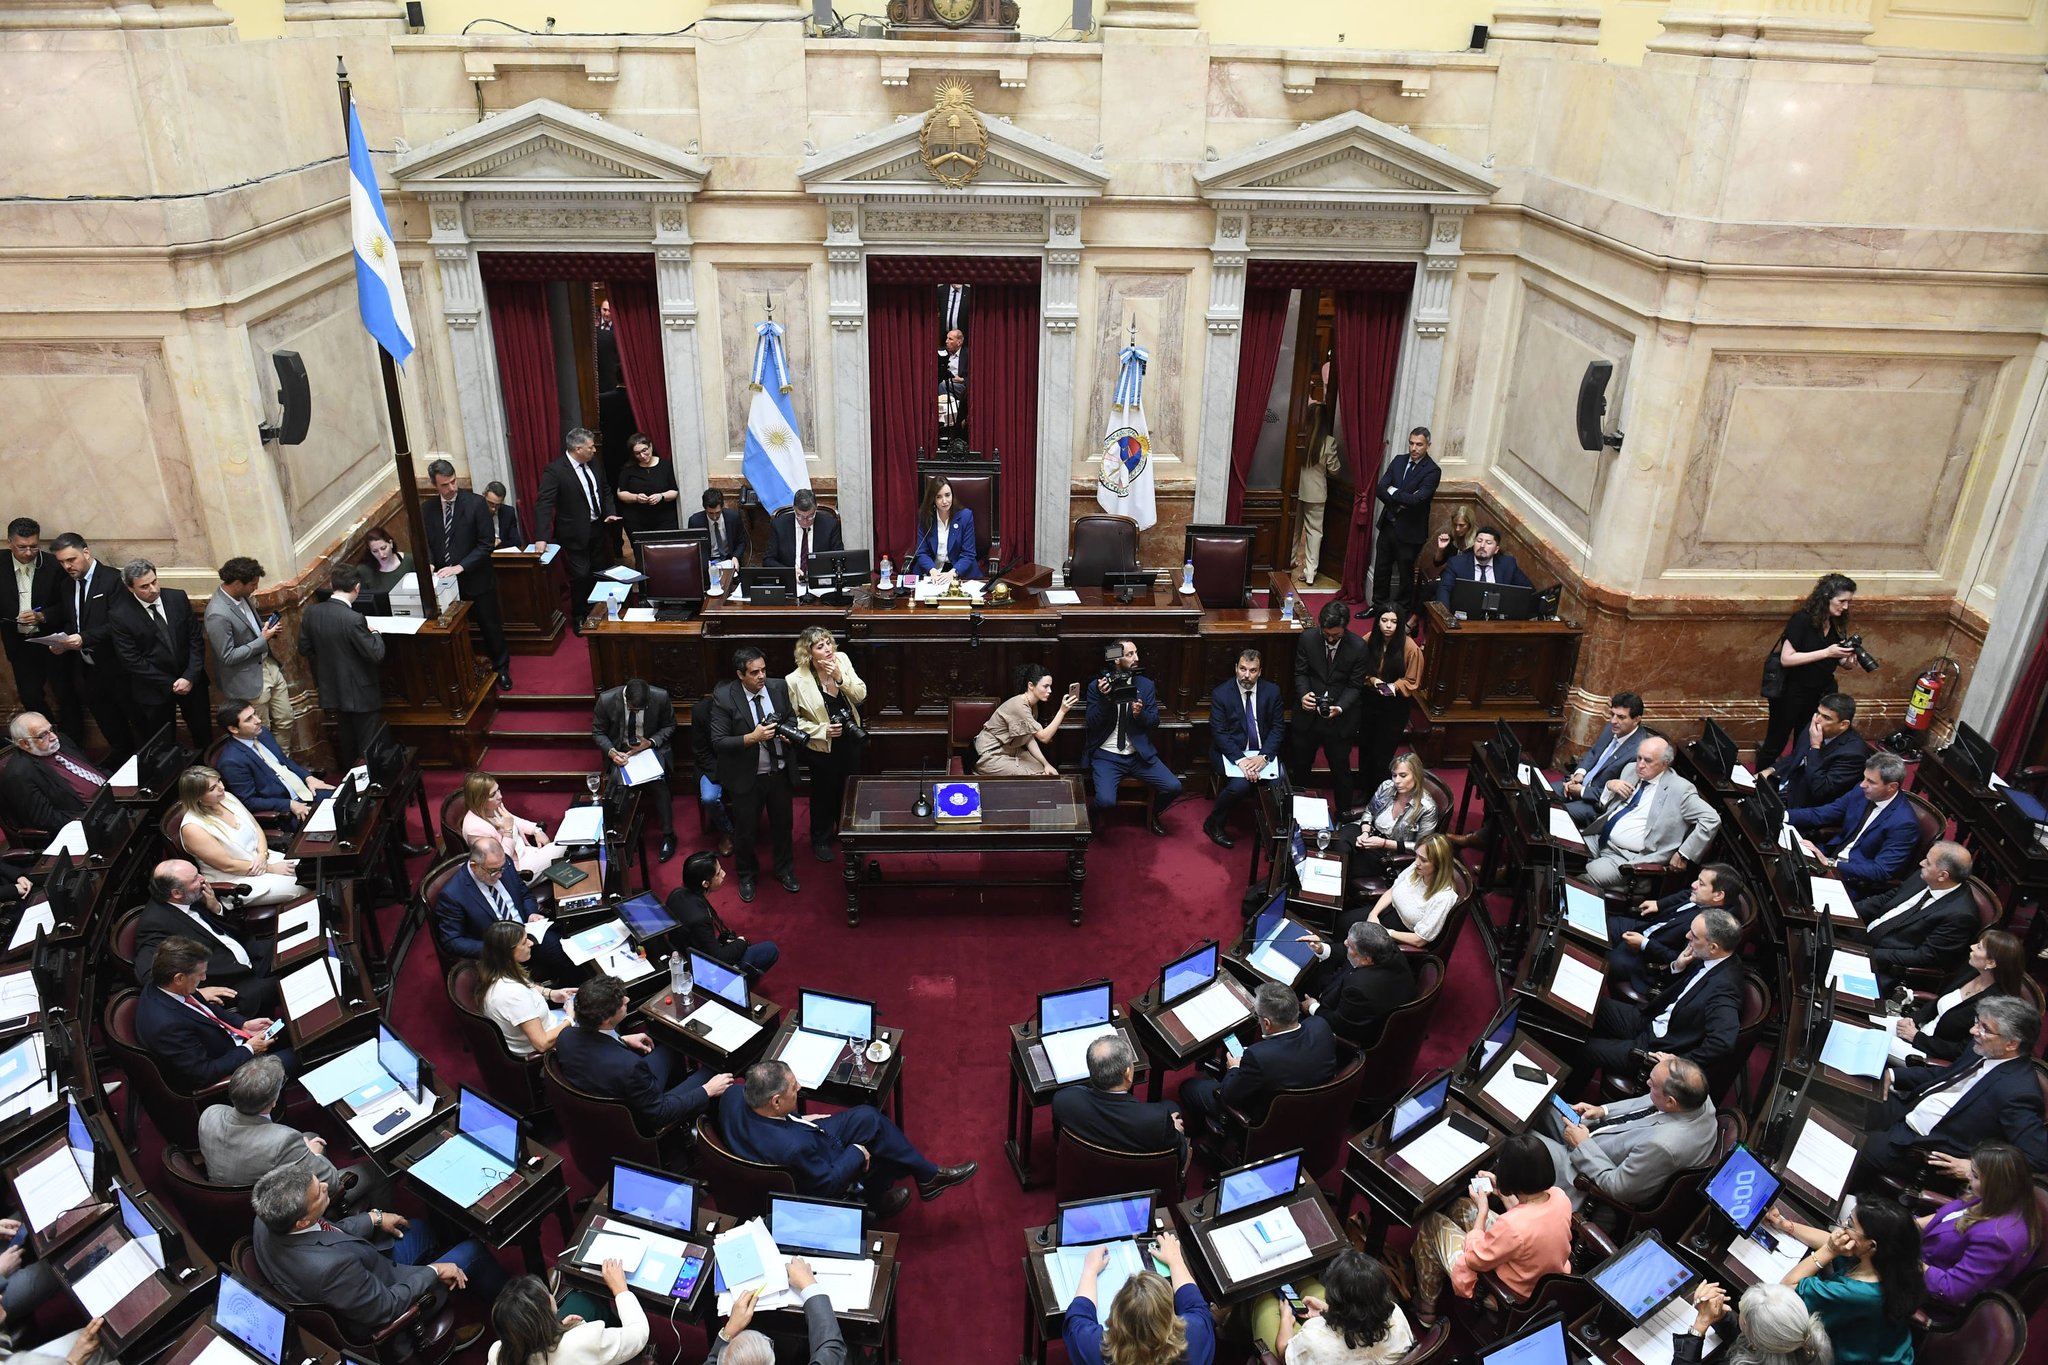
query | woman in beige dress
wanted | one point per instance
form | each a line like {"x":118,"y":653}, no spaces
{"x":826,"y":694}
{"x":1008,"y":744}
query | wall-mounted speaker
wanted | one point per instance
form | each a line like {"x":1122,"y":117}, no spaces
{"x":294,"y":395}
{"x":1593,"y":403}
{"x":1478,"y":38}
{"x":415,"y":17}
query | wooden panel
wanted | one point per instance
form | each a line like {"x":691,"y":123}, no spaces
{"x":439,"y":697}
{"x":529,"y":601}
{"x":1475,"y":671}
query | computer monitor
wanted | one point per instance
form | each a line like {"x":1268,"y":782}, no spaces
{"x":370,"y":603}
{"x":1770,"y":808}
{"x":1641,"y":1277}
{"x":1110,"y":1218}
{"x":1188,"y":973}
{"x":1539,"y":1345}
{"x":1499,"y":1036}
{"x":162,"y":1242}
{"x":400,"y":1062}
{"x":646,"y":917}
{"x":764,"y":586}
{"x":1509,"y":745}
{"x":1128,"y":583}
{"x":844,"y":1016}
{"x":384,"y":755}
{"x":817,"y":1227}
{"x":1492,"y":601}
{"x":1742,"y":1188}
{"x":654,"y":1197}
{"x":1717,"y":751}
{"x":490,"y":1127}
{"x":1262,"y":1182}
{"x":678,"y":566}
{"x":83,"y":1136}
{"x":158,"y":760}
{"x":1418,"y":1107}
{"x":715,"y":978}
{"x":106,"y":824}
{"x":249,"y":1319}
{"x":1972,"y":754}
{"x":838,"y":570}
{"x":1082,"y":1007}
{"x":1583,"y":908}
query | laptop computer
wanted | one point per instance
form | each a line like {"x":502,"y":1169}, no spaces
{"x":250,"y":1322}
{"x":1742,"y":1189}
{"x":81,"y":1137}
{"x":1258,"y":1185}
{"x":401,"y":1073}
{"x":715,"y":978}
{"x":1110,"y":1218}
{"x":1188,"y":973}
{"x":1070,"y":1020}
{"x":844,"y":1016}
{"x":1642,"y":1277}
{"x":818,"y":1227}
{"x":646,"y":918}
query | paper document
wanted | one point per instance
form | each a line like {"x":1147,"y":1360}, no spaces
{"x":625,"y":965}
{"x":1576,"y":983}
{"x":1650,"y":1340}
{"x":109,"y":1282}
{"x":344,"y":1075}
{"x":580,"y":825}
{"x":812,"y":1056}
{"x":462,"y":1170}
{"x":18,"y":996}
{"x":308,"y":988}
{"x":609,"y":593}
{"x":221,"y":1351}
{"x":1311,"y":812}
{"x":1524,"y":774}
{"x":850,"y":1285}
{"x":661,"y":1259}
{"x":298,"y":924}
{"x":1742,"y":777}
{"x":624,"y":1247}
{"x":1829,"y":895}
{"x":641,"y":768}
{"x":395,"y":625}
{"x":1062,"y":597}
{"x":1440,"y":1152}
{"x":592,"y":943}
{"x":638,"y":614}
{"x":366,"y":1124}
{"x":1512,"y":1093}
{"x":622,"y":573}
{"x":746,"y":1258}
{"x":129,"y":774}
{"x":1063,"y":1267}
{"x":321,"y":821}
{"x":1562,"y":830}
{"x":729,"y":1029}
{"x":1853,"y":973}
{"x":70,"y":839}
{"x":1788,"y":838}
{"x":40,"y":1095}
{"x":1853,"y":1050}
{"x":1068,"y":1050}
{"x":1259,"y":1246}
{"x":1769,"y":1267}
{"x":51,"y":1188}
{"x":37,"y":920}
{"x":1322,"y":876}
{"x":1821,"y":1159}
{"x":1210,"y":1011}
{"x":1269,"y":773}
{"x":547,"y":556}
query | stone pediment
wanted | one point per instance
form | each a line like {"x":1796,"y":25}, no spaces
{"x":1348,"y":159}
{"x":546,"y":146}
{"x":888,"y":161}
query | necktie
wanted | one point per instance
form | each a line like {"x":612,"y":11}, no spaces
{"x":504,"y":902}
{"x":77,"y":770}
{"x":772,"y":749}
{"x":1869,"y":814}
{"x":1663,"y":1021}
{"x":1908,"y":908}
{"x":1486,"y":572}
{"x":163,"y":625}
{"x":717,"y":520}
{"x":293,"y":783}
{"x":219,"y":934}
{"x":633,"y":728}
{"x":804,"y":555}
{"x":78,"y":613}
{"x":1251,"y":723}
{"x":1607,"y":829}
{"x":196,"y":1003}
{"x":589,"y":486}
{"x":447,"y":529}
{"x":1593,"y":763}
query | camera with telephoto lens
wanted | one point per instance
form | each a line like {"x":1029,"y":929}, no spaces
{"x":852,"y":732}
{"x":789,"y":732}
{"x":1123,"y":682}
{"x":1865,"y":660}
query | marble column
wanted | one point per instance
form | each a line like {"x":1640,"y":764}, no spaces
{"x":1149,"y":14}
{"x":469,"y":343}
{"x":2019,"y":616}
{"x":846,"y":288}
{"x":1429,"y":318}
{"x":1227,"y":258}
{"x":1059,"y":311}
{"x":676,"y":293}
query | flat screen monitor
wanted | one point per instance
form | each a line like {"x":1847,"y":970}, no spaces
{"x":1717,"y":750}
{"x":1500,"y":1035}
{"x":1419,"y":1108}
{"x":1262,"y":1182}
{"x":1111,"y":1218}
{"x":80,"y":1135}
{"x":1973,"y":754}
{"x":400,"y":1062}
{"x":1584,"y":910}
{"x":105,"y":823}
{"x":1082,"y":1007}
{"x":157,"y":759}
{"x":254,"y":1321}
{"x":840,"y":1015}
{"x":714,"y":977}
{"x":1492,"y":601}
{"x":1276,"y":947}
{"x":677,"y":570}
{"x":1542,"y":1345}
{"x":1641,"y":1277}
{"x":1127,"y":583}
{"x":1187,"y":974}
{"x":768,"y":586}
{"x":838,"y":570}
{"x":490,"y":1127}
{"x":1742,"y":1189}
{"x":1510,"y":747}
{"x":646,"y":916}
{"x":817,"y":1226}
{"x":654,"y":1197}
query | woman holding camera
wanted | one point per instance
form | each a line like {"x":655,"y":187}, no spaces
{"x":826,"y":693}
{"x":1008,"y":743}
{"x":1813,"y":643}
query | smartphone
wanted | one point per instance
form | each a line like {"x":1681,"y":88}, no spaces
{"x":1570,"y":1114}
{"x":1074,"y":691}
{"x":271,"y":620}
{"x":1384,"y":689}
{"x":391,"y":1120}
{"x":276,"y":1027}
{"x":1293,"y":1302}
{"x":1482,"y":1185}
{"x":1535,"y":1075}
{"x":1232,"y":1046}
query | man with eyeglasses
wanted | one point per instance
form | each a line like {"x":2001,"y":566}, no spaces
{"x":482,"y":892}
{"x":49,"y":780}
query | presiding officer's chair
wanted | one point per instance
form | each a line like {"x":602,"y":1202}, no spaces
{"x":679,"y":571}
{"x":1102,"y":544}
{"x":977,"y":486}
{"x":1222,"y":557}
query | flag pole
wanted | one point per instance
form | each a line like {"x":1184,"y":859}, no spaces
{"x":408,"y":482}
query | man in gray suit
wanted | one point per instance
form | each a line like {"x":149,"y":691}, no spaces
{"x":366,"y":1269}
{"x":1661,"y":819}
{"x":242,"y":1144}
{"x":1632,"y":1148}
{"x":244,"y":664}
{"x":346,"y":658}
{"x":737,"y":1344}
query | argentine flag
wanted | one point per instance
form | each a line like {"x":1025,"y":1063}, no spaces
{"x":774,"y":462}
{"x":1125,"y":484}
{"x":380,"y":297}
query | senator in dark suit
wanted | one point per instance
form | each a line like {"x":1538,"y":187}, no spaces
{"x":1695,"y":1015}
{"x":754,"y":764}
{"x":1643,"y":946}
{"x":458,"y":525}
{"x":1329,"y":676}
{"x":1293,"y":1052}
{"x":629,"y":1068}
{"x":182,"y":905}
{"x":28,"y":601}
{"x":576,"y":510}
{"x":197,"y":1041}
{"x":479,"y":895}
{"x":1940,"y":1113}
{"x":47,"y":780}
{"x":803,"y":526}
{"x":1404,"y":492}
{"x":826,"y":1155}
{"x":161,"y":644}
{"x":723,"y":524}
{"x":627,"y":719}
{"x":87,"y":665}
{"x":1929,"y":922}
{"x":347,"y":659}
{"x":1120,"y":745}
{"x":506,"y":532}
{"x":1105,"y":1111}
{"x":1819,"y":771}
{"x":1245,"y":717}
{"x":1875,"y":829}
{"x":1371,"y":979}
{"x":257,"y":770}
{"x":1482,"y":563}
{"x":1610,"y":757}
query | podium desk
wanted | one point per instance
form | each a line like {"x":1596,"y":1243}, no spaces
{"x":438,"y":696}
{"x":528,"y":601}
{"x":511,"y":1212}
{"x":665,"y":1015}
{"x":852,"y":1080}
{"x":1398,"y":1190}
{"x":193,"y":1341}
{"x":1311,"y":1212}
{"x":696,"y":1305}
{"x":68,"y":1226}
{"x":343,"y":1020}
{"x":1166,"y":1042}
{"x":871,"y":1329}
{"x":1032,"y":1087}
{"x":1044,"y":819}
{"x":147,"y":1314}
{"x":1476,"y":671}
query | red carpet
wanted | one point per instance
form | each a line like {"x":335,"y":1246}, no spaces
{"x":953,"y":969}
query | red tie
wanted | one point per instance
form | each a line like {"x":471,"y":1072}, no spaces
{"x":196,"y":1003}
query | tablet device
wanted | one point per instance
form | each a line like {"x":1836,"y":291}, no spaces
{"x":1641,"y":1277}
{"x":1111,"y":1218}
{"x":1262,"y":1182}
{"x":1742,"y":1189}
{"x":1419,"y":1108}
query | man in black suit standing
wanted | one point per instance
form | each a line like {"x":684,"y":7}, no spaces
{"x":1292,"y":1053}
{"x":1329,"y":674}
{"x":1107,"y":1113}
{"x":575,"y":509}
{"x":162,"y":649}
{"x":1940,"y":1113}
{"x":728,"y":534}
{"x":628,"y":719}
{"x":754,"y":763}
{"x":87,"y":663}
{"x":1246,"y":726}
{"x":347,"y":658}
{"x":803,"y":530}
{"x":505,"y":530}
{"x":28,"y":597}
{"x":458,"y":527}
{"x":1370,"y":983}
{"x":1483,"y":563}
{"x":1930,"y":921}
{"x":1406,"y":489}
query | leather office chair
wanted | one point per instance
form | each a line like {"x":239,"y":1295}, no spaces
{"x":676,"y":572}
{"x":1991,"y":1331}
{"x":121,"y":938}
{"x":977,"y":486}
{"x":215,"y":1214}
{"x":2030,"y":1288}
{"x":1496,"y":1311}
{"x":1673,"y":1211}
{"x":454,"y":806}
{"x":22,"y":836}
{"x":739,"y":1187}
{"x":1933,"y":824}
{"x":1102,"y":544}
{"x":509,"y":1078}
{"x":1572,"y":1296}
{"x":1390,"y":1059}
{"x":1314,"y":1119}
{"x":600,"y":1130}
{"x":1758,"y":1008}
{"x":411,"y":1338}
{"x":1222,"y":557}
{"x":174,"y":1112}
{"x":964,"y":718}
{"x":1082,"y":1170}
{"x":424,"y":897}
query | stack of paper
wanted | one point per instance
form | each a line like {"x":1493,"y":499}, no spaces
{"x":463,"y":1170}
{"x":309,"y":987}
{"x":747,"y":1258}
{"x":1769,"y":1267}
{"x":1853,"y":1050}
{"x":1322,"y":876}
{"x":321,"y":821}
{"x":343,"y":1075}
{"x":581,"y":825}
{"x":624,"y":964}
{"x":1311,"y":812}
{"x":1440,"y":1151}
{"x":1650,"y":1340}
{"x":1062,"y":597}
{"x":1821,"y":1159}
{"x":638,"y":614}
{"x":849,"y":1284}
{"x":395,"y":625}
{"x":1063,"y":1267}
{"x":730,"y":1030}
{"x":1512,"y":1093}
{"x":812,"y":1056}
{"x":1210,"y":1011}
{"x":1742,"y":777}
{"x":1853,"y":973}
{"x":19,"y":997}
{"x":1259,"y":1246}
{"x":642,"y":768}
{"x":1577,"y":984}
{"x":366,"y":1124}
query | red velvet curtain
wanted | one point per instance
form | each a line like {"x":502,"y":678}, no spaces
{"x":2016,"y":724}
{"x":636,"y":326}
{"x":1258,"y":358}
{"x":1369,"y":324}
{"x":1002,"y":403}
{"x":526,"y":381}
{"x":903,"y":412}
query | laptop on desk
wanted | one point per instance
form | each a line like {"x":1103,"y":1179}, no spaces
{"x":826,"y":1025}
{"x":1428,"y":1138}
{"x":1259,"y":1185}
{"x":653,"y":1217}
{"x":1190,"y":992}
{"x":646,"y":918}
{"x":479,"y":1158}
{"x":1068,"y":1022}
{"x":247,"y":1327}
{"x":1114,"y":1222}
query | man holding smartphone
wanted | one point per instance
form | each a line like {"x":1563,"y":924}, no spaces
{"x":1632,"y":1148}
{"x":245,"y":661}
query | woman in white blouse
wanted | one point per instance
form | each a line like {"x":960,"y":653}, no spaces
{"x":1415,"y":908}
{"x":487,"y":817}
{"x":1353,"y":1318}
{"x":220,"y":834}
{"x":511,"y":1000}
{"x":532,"y":1330}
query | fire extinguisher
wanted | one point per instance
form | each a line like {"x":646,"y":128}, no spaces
{"x":1928,"y":689}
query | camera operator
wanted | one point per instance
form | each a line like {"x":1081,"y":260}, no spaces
{"x":1813,"y":644}
{"x":1329,"y":668}
{"x":825,"y":693}
{"x":1123,"y":711}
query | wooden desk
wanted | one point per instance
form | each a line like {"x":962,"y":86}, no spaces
{"x":1032,"y":1088}
{"x":1472,"y":1089}
{"x":665,"y":1016}
{"x":1995,"y":831}
{"x":507,"y":1214}
{"x":147,"y":1313}
{"x":388,"y":1152}
{"x":1019,"y":815}
{"x":438,"y":697}
{"x":192,"y":1344}
{"x":697,"y":1304}
{"x":1311,"y":1213}
{"x":1375,"y":1169}
{"x":1476,"y":671}
{"x":339,"y":1023}
{"x":529,"y":601}
{"x":1167,"y":1042}
{"x":853,"y":1081}
{"x":1044,"y":1316}
{"x":66,"y":1227}
{"x":871,"y":1329}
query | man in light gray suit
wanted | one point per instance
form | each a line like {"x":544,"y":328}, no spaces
{"x":242,"y":1144}
{"x":244,"y":663}
{"x":737,"y":1344}
{"x":346,"y":657}
{"x":1660,"y":819}
{"x":1632,"y":1148}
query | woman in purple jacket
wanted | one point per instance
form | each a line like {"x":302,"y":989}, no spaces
{"x":1983,"y":1240}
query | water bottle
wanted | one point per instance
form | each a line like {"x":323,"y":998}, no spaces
{"x":888,"y":570}
{"x":679,"y":982}
{"x":1287,"y":609}
{"x":1187,"y":576}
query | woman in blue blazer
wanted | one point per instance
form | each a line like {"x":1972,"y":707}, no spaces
{"x":945,"y":535}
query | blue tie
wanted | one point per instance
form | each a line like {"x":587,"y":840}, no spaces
{"x":1593,"y":763}
{"x":1607,"y":829}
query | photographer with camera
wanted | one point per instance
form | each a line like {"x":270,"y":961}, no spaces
{"x":1329,"y":668}
{"x":1813,"y":644}
{"x":825,"y":693}
{"x":1123,"y":711}
{"x":754,"y":750}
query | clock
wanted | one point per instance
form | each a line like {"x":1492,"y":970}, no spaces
{"x":976,"y":19}
{"x":954,"y":12}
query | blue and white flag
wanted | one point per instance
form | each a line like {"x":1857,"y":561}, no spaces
{"x":380,"y":295}
{"x":774,"y":463}
{"x":1125,"y":487}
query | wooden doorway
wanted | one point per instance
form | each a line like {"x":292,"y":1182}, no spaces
{"x":1301,"y":413}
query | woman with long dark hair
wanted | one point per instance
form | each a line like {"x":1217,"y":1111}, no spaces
{"x":1985,"y":1239}
{"x":1008,"y":745}
{"x":699,"y":926}
{"x":1940,"y":1028}
{"x":532,"y":1329}
{"x":1393,"y":675}
{"x":511,"y":999}
{"x":1810,"y":647}
{"x":1353,"y":1317}
{"x":1862,"y":1280}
